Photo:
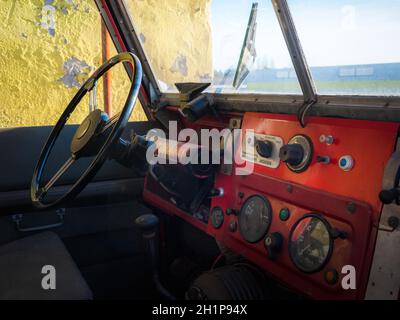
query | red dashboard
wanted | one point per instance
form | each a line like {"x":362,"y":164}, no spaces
{"x":338,"y":185}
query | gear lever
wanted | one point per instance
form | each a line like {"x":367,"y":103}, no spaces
{"x":148,"y":225}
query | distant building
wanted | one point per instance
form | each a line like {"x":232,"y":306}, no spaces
{"x":383,"y":71}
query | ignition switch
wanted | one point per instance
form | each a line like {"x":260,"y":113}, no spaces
{"x":273,"y":243}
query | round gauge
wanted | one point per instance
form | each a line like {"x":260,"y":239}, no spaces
{"x":217,"y":217}
{"x":310,"y":243}
{"x":255,"y":218}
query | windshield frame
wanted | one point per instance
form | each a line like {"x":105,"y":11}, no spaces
{"x":383,"y":108}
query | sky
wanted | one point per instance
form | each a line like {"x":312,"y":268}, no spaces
{"x":335,"y":32}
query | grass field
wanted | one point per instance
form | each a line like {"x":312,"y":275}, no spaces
{"x":363,"y":87}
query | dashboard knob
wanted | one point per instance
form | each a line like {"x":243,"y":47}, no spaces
{"x":292,"y":154}
{"x":264,"y":148}
{"x":273,"y":243}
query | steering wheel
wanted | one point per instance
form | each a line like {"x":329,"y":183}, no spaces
{"x":94,"y":137}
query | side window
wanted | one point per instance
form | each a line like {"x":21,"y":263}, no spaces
{"x":47,"y":50}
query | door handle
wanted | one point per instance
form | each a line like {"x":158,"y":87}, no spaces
{"x":17,"y":218}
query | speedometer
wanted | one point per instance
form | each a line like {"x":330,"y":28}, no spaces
{"x":310,"y":243}
{"x":255,"y":218}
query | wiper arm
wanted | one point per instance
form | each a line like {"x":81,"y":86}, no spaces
{"x":248,"y":53}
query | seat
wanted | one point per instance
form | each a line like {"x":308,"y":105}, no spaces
{"x":21,"y":264}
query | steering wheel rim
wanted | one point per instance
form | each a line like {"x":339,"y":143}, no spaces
{"x":38,"y":193}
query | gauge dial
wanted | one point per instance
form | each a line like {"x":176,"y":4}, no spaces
{"x":255,"y":218}
{"x":217,"y":217}
{"x":310,"y":243}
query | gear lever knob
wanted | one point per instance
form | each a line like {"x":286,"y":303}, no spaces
{"x":148,"y":225}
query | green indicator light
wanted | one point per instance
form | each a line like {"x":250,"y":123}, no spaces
{"x":284,"y":214}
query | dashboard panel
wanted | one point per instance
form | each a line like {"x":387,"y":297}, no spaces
{"x":309,"y":205}
{"x":369,"y":143}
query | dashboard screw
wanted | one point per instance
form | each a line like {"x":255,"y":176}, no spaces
{"x":351,"y":207}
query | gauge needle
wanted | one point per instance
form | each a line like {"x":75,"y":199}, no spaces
{"x":304,"y":249}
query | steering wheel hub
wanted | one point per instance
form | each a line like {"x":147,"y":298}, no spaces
{"x":83,"y":141}
{"x":83,"y":128}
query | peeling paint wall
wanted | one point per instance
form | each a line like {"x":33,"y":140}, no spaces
{"x":176,"y":35}
{"x":47,"y":49}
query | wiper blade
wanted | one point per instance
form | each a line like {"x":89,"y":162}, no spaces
{"x":248,"y":53}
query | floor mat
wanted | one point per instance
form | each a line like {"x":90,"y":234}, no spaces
{"x":124,"y":279}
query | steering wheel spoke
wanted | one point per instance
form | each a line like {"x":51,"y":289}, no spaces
{"x":56,"y":176}
{"x":93,"y":97}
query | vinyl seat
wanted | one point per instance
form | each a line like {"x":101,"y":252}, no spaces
{"x":21,"y":264}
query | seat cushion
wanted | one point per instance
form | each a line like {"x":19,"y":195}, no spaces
{"x":21,"y":264}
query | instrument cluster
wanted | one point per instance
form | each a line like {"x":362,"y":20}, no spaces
{"x":308,"y":208}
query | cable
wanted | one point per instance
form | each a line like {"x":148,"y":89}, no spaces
{"x":303,"y":111}
{"x":216,"y":261}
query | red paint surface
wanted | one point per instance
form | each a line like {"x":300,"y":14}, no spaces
{"x":369,"y":143}
{"x":325,"y":189}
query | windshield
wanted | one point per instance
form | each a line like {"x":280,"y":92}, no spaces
{"x":236,"y":45}
{"x":351,"y":46}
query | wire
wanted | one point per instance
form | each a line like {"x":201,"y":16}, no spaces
{"x":384,"y":229}
{"x":216,"y":261}
{"x":303,"y":111}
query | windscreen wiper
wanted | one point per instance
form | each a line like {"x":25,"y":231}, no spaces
{"x":248,"y":53}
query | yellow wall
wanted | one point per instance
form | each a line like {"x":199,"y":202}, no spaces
{"x":176,"y":35}
{"x":32,"y":60}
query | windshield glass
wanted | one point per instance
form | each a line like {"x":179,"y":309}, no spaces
{"x":236,"y":45}
{"x":351,"y":46}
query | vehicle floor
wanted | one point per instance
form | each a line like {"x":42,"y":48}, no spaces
{"x":114,"y":264}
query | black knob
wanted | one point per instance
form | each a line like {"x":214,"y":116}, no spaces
{"x":264,"y":148}
{"x":216,"y":192}
{"x":292,"y":154}
{"x":389,"y":196}
{"x":273,"y":243}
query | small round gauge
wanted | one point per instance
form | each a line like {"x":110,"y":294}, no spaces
{"x":255,"y":218}
{"x":217,"y":217}
{"x":310,"y":243}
